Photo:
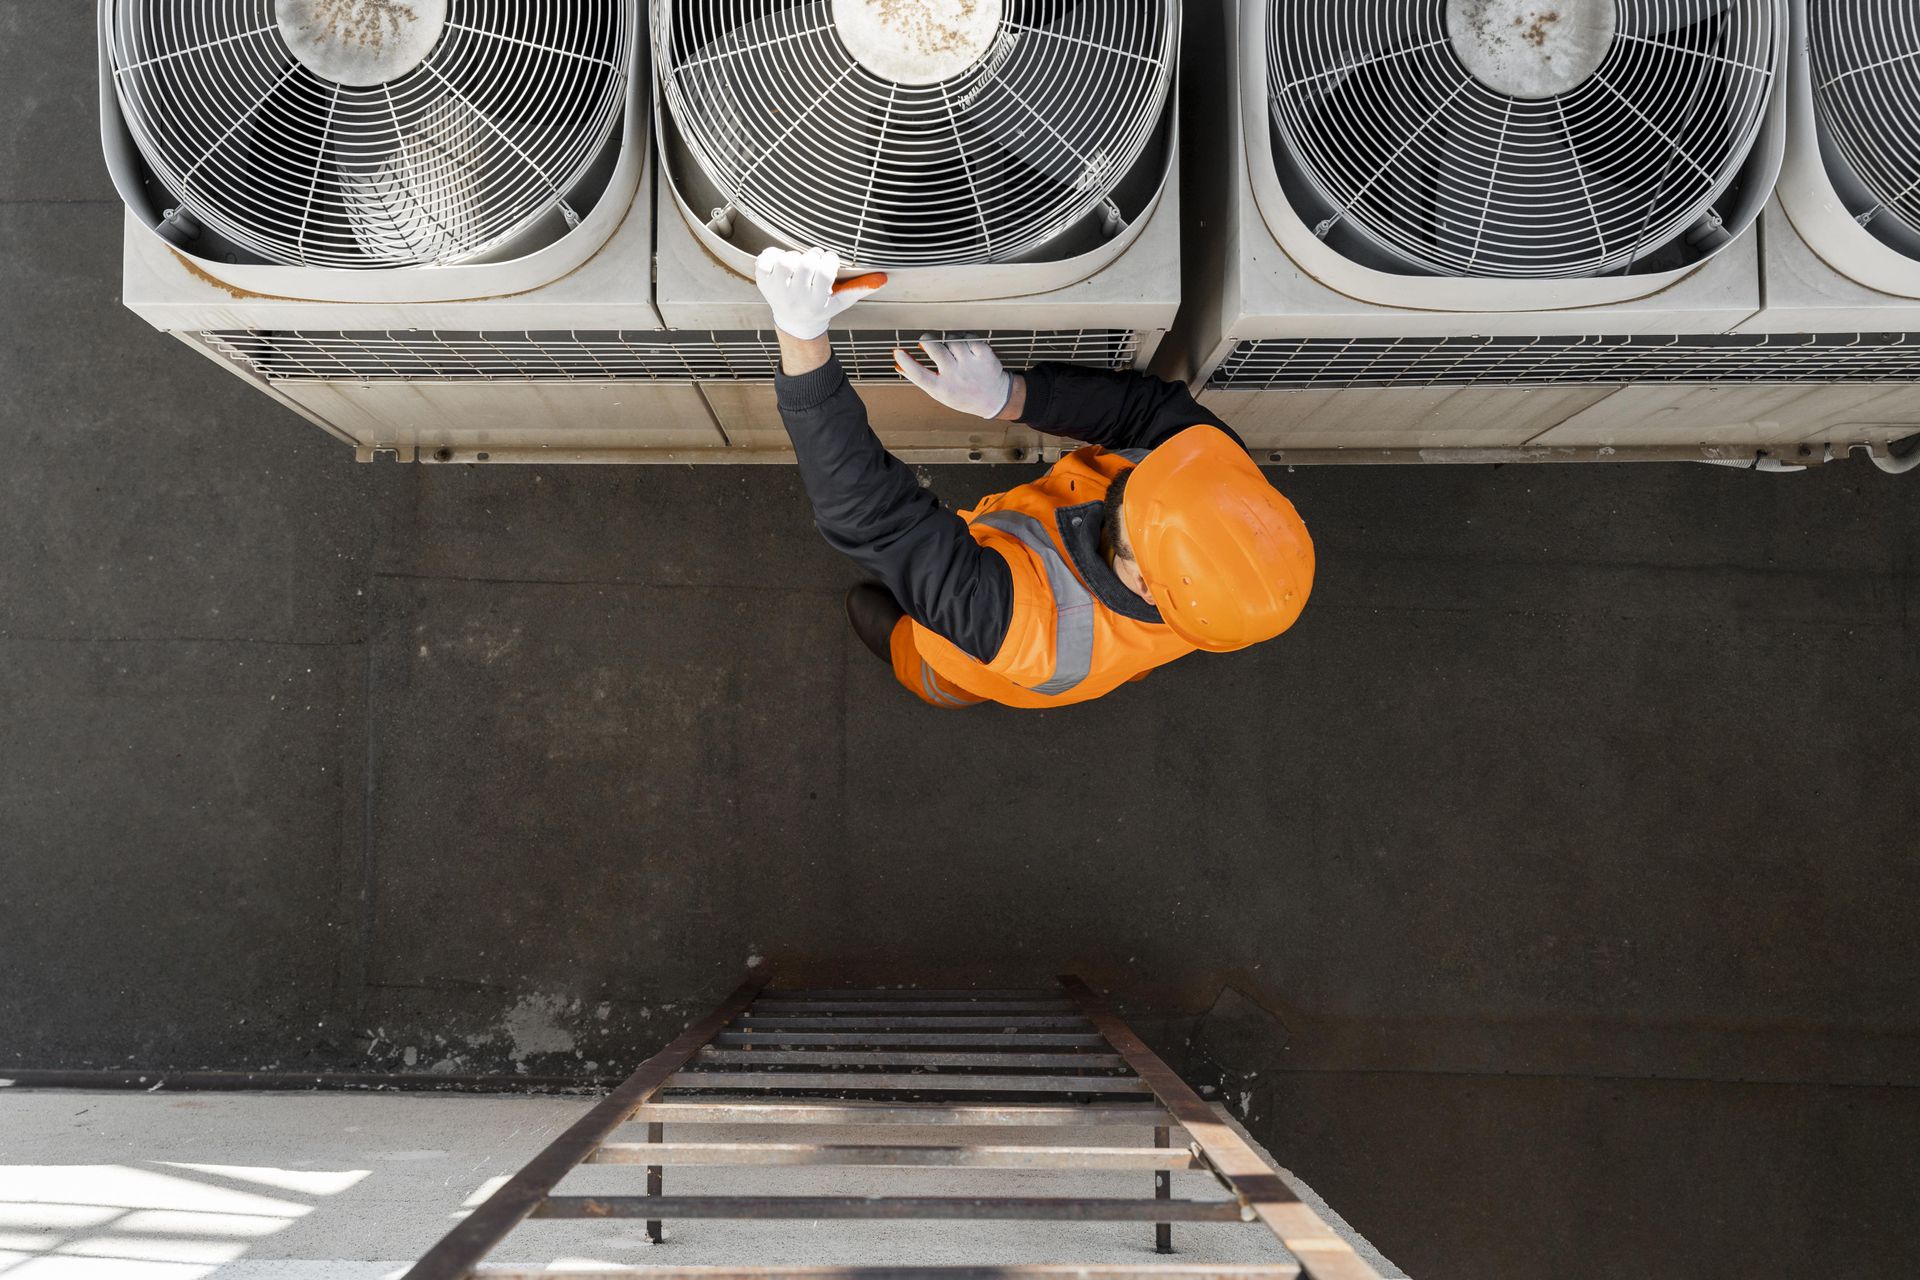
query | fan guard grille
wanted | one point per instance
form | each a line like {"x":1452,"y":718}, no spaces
{"x":485,"y":135}
{"x":1406,"y":151}
{"x":1865,"y":59}
{"x":985,"y":165}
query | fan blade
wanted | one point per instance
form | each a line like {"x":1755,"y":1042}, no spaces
{"x":420,"y":200}
{"x":1670,"y":15}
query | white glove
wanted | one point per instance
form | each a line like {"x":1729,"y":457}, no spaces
{"x":801,"y":290}
{"x":970,"y":379}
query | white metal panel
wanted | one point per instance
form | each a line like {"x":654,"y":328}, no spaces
{"x":1139,"y":290}
{"x":1741,"y":415}
{"x":904,"y":417}
{"x":611,"y":291}
{"x":1427,"y":417}
{"x":468,"y":418}
{"x":1805,"y":294}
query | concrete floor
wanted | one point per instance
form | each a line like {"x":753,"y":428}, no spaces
{"x":238,"y":1186}
{"x":1547,"y":897}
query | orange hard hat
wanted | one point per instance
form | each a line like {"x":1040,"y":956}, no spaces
{"x":1226,"y":556}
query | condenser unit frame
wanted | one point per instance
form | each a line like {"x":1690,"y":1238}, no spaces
{"x":1109,"y":307}
{"x":1310,"y":374}
{"x":1825,"y":272}
{"x":1556,"y":298}
{"x":567,"y":252}
{"x":415,"y":390}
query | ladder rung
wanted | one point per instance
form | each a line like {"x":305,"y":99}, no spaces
{"x":890,"y":1208}
{"x":916,"y":993}
{"x":985,"y":1115}
{"x":1038,"y":1039}
{"x":1032,"y":1271}
{"x":830,"y":1022}
{"x":906,"y":1058}
{"x":911,"y":1081}
{"x":959,"y":1157}
{"x":764,"y":1006}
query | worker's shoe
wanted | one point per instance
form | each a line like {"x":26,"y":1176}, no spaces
{"x":874,"y":613}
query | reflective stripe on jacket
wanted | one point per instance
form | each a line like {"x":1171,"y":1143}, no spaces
{"x":1064,"y":643}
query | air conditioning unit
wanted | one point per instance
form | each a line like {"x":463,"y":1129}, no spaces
{"x":1509,"y":225}
{"x":1011,"y":164}
{"x":425,"y":226}
{"x":1841,"y":244}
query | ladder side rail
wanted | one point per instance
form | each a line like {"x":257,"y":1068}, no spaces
{"x":467,"y":1245}
{"x":1323,"y":1253}
{"x":1014,"y":1271}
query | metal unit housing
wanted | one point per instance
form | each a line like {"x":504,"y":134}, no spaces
{"x":383,"y":360}
{"x":1825,"y":271}
{"x":1110,"y":307}
{"x":1308,"y":372}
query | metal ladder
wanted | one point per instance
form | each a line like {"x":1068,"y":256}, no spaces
{"x":1016,"y":1059}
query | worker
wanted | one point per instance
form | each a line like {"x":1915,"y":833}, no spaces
{"x":1158,"y":538}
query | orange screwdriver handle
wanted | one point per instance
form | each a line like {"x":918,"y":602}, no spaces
{"x":871,"y":280}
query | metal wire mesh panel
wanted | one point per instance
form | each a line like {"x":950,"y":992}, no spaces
{"x":1326,"y":364}
{"x":916,"y":132}
{"x":1865,"y":59}
{"x":1512,"y":138}
{"x":739,"y":356}
{"x":370,"y":133}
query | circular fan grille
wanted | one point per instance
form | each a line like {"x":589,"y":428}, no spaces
{"x":1508,"y":138}
{"x":916,"y":132}
{"x":1866,"y":91}
{"x":370,"y":133}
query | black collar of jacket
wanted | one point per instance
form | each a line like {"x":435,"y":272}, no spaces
{"x":1080,"y":531}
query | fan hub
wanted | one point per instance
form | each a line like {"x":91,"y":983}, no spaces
{"x":361,"y":42}
{"x":917,"y":42}
{"x":1531,"y":49}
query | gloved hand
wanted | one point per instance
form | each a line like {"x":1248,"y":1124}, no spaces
{"x":970,"y":379}
{"x":801,"y":290}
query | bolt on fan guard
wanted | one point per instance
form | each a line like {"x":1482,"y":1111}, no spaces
{"x":1516,"y":138}
{"x":916,"y":132}
{"x":370,"y":133}
{"x":1865,"y":62}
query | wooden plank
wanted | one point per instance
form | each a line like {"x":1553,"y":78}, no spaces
{"x":892,"y":1208}
{"x":928,"y":1039}
{"x":913,"y":993}
{"x":766,"y":1007}
{"x":703,"y":1154}
{"x":1015,"y":1271}
{"x":856,"y":1112}
{"x":954,"y":1082}
{"x":1323,"y":1254}
{"x":1013,"y":1022}
{"x":464,"y":1247}
{"x":904,"y":1058}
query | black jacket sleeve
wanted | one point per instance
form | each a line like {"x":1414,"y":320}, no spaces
{"x":869,"y":507}
{"x":1115,"y":410}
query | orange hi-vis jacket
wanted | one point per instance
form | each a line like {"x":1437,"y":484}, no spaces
{"x":1064,"y":644}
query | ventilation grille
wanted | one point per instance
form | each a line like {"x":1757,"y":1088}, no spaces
{"x":709,"y":355}
{"x":1495,"y":138}
{"x":1866,"y":93}
{"x":1328,"y":364}
{"x":370,"y":133}
{"x":936,"y":132}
